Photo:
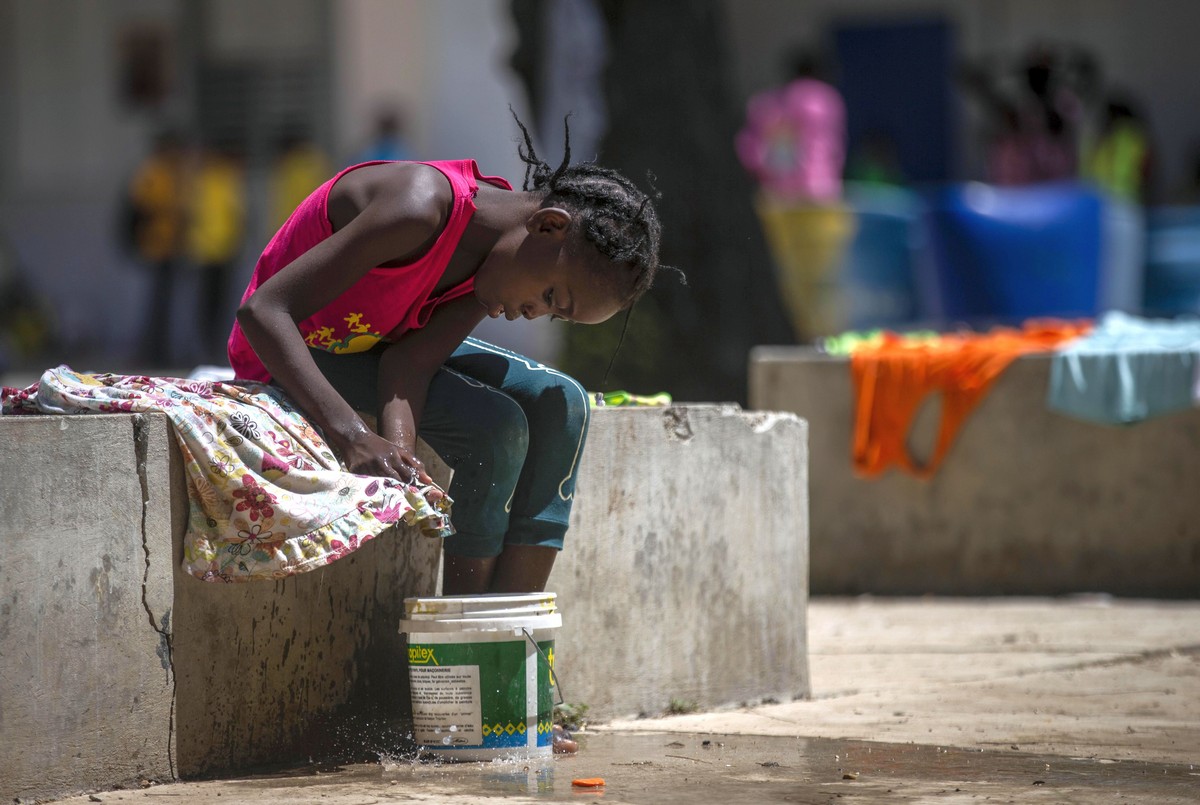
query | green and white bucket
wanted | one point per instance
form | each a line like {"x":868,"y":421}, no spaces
{"x":481,"y":671}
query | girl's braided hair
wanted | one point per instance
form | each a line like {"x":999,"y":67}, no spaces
{"x":613,"y":214}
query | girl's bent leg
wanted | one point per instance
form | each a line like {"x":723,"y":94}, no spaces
{"x":523,"y":569}
{"x":557,"y":411}
{"x":483,"y":435}
{"x":462,"y":575}
{"x":518,"y":569}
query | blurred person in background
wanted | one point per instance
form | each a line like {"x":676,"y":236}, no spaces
{"x":388,"y":142}
{"x":298,"y":168}
{"x":216,"y":233}
{"x":1121,"y":160}
{"x":794,"y":144}
{"x":794,"y":139}
{"x":155,"y":208}
{"x":1035,"y":114}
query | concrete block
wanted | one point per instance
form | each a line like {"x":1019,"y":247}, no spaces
{"x":289,"y":668}
{"x":116,"y":666}
{"x":86,"y":683}
{"x":685,"y":572}
{"x":1027,"y":502}
{"x":269,"y":670}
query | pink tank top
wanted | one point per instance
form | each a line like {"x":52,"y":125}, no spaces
{"x":384,"y":303}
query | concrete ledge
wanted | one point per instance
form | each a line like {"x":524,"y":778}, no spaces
{"x":86,"y":685}
{"x":1027,"y":502}
{"x":685,"y":579}
{"x":685,"y":576}
{"x":274,"y":670}
{"x":115,"y":666}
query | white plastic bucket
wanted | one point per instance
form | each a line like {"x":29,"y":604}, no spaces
{"x":481,"y":672}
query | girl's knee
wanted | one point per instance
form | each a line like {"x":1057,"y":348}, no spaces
{"x":562,"y":403}
{"x":471,"y":424}
{"x":576,"y":405}
{"x":506,"y":430}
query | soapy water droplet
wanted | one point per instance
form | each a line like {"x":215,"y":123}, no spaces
{"x":454,"y":728}
{"x":446,"y":740}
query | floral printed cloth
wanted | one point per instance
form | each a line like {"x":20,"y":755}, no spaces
{"x":267,"y":497}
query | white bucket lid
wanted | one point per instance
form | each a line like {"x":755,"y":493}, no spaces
{"x":481,"y":613}
{"x":550,"y":621}
{"x":472,"y":606}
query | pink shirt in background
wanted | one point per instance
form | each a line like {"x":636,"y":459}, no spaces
{"x":794,"y":141}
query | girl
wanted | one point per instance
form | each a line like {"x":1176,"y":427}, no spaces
{"x":364,"y":301}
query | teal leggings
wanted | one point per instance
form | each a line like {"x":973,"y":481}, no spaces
{"x":512,"y":429}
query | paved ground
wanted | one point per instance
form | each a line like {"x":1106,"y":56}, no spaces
{"x":1084,"y":700}
{"x":1087,"y":677}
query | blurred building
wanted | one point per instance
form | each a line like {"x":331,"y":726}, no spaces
{"x":85,"y":86}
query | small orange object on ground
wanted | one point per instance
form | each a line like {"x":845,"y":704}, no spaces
{"x":588,"y":782}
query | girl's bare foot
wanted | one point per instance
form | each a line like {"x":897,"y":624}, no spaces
{"x":562,"y":741}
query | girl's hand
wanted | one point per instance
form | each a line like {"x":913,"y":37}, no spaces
{"x":366,"y":453}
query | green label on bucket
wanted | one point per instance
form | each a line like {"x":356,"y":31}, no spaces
{"x":470,"y":695}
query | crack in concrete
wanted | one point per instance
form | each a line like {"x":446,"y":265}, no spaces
{"x":1149,"y":655}
{"x":165,"y":651}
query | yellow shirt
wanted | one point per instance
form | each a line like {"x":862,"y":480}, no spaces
{"x":298,"y":173}
{"x":1116,"y":164}
{"x":218,"y":212}
{"x":157,"y":191}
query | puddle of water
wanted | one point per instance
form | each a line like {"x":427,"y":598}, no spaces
{"x":731,"y":770}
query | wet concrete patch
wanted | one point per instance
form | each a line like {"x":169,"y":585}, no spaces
{"x":671,"y":768}
{"x":662,"y":768}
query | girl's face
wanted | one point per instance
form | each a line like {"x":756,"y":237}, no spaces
{"x":548,"y":274}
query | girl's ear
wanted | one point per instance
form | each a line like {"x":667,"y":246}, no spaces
{"x":552,"y":221}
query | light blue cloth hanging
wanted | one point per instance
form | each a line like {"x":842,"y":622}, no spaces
{"x":1127,"y":369}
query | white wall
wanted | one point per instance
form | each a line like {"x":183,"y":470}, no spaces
{"x":72,"y":138}
{"x":379,"y":59}
{"x":445,"y":62}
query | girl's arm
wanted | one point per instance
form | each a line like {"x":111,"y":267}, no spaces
{"x":392,"y":224}
{"x":407,"y":367}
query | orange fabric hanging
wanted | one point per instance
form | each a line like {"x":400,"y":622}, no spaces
{"x":891,"y":380}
